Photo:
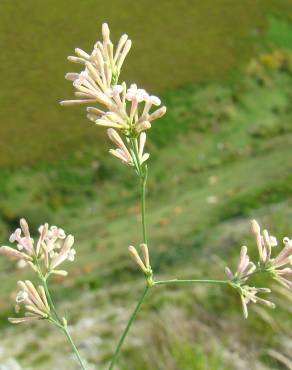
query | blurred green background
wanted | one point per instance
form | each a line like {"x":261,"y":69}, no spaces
{"x":221,"y":156}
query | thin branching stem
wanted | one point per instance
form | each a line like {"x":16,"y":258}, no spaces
{"x":143,"y":205}
{"x":57,"y":321}
{"x":190,"y":281}
{"x":61,"y":325}
{"x":127,"y":328}
{"x":50,"y":300}
{"x":67,"y":334}
{"x":142,"y":172}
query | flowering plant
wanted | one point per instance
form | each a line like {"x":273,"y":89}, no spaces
{"x":127,"y":112}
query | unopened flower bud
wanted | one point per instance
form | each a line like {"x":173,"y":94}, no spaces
{"x":255,"y":227}
{"x":145,"y":253}
{"x":136,"y":258}
{"x":105,"y":32}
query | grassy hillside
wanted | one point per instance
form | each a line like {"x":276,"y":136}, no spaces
{"x":175,"y":43}
{"x":221,"y":156}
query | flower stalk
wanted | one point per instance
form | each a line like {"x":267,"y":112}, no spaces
{"x":45,"y":256}
{"x":143,"y":180}
{"x":127,"y":328}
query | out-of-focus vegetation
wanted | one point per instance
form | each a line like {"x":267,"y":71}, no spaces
{"x":175,"y":43}
{"x":220,"y":156}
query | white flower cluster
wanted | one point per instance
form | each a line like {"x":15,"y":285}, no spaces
{"x":279,"y":268}
{"x":128,"y":110}
{"x":35,"y":303}
{"x":52,"y":248}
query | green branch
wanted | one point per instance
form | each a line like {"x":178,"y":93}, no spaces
{"x":190,"y":281}
{"x":125,"y":332}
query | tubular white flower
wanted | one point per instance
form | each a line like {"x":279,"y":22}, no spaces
{"x":244,"y":267}
{"x":46,"y":254}
{"x":122,"y":152}
{"x":137,"y":259}
{"x":98,"y":83}
{"x":64,"y":252}
{"x":142,"y":156}
{"x":249,"y":294}
{"x":13,"y":253}
{"x":144,"y":263}
{"x":34,"y":300}
{"x":278,"y":267}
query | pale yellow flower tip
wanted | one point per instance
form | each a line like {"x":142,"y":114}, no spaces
{"x":105,"y":32}
{"x":255,"y":227}
{"x":24,"y":227}
{"x":145,"y":252}
{"x":136,"y":258}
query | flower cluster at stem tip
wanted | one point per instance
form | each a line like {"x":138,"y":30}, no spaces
{"x":44,"y":256}
{"x":126,"y":111}
{"x":278,"y":267}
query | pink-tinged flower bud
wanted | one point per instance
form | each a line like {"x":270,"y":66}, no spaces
{"x":120,"y":154}
{"x":105,"y":32}
{"x":136,"y":258}
{"x":71,"y":76}
{"x":15,"y":237}
{"x":255,"y":227}
{"x":10,"y":252}
{"x":145,"y":253}
{"x":244,"y":302}
{"x":229,"y":273}
{"x":121,"y":44}
{"x":63,"y":255}
{"x":34,"y":300}
{"x":157,"y":114}
{"x":74,"y":102}
{"x":243,"y":260}
{"x":59,"y":272}
{"x":96,"y":111}
{"x":82,"y":54}
{"x":142,"y":126}
{"x":249,"y":294}
{"x":144,"y":265}
{"x":115,"y":138}
{"x":244,"y":267}
{"x":76,"y":60}
{"x":20,"y":320}
{"x":121,"y":57}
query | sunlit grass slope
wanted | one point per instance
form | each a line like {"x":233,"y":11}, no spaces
{"x":221,"y":156}
{"x":175,"y":42}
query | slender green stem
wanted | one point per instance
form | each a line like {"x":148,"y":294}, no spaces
{"x":142,"y":172}
{"x":143,"y":206}
{"x":60,"y":324}
{"x":57,"y":321}
{"x":65,"y":330}
{"x":51,"y":303}
{"x":125,"y":332}
{"x":190,"y":281}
